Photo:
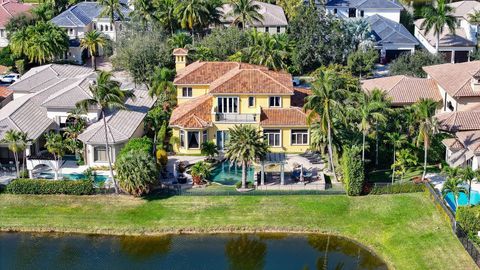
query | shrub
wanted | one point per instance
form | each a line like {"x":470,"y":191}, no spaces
{"x":397,"y":188}
{"x":162,"y":157}
{"x":469,"y":218}
{"x":136,"y":172}
{"x":411,"y":64}
{"x":143,"y":144}
{"x":239,"y":184}
{"x":44,"y":187}
{"x":353,"y":170}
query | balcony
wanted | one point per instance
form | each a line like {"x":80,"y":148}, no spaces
{"x":236,"y":118}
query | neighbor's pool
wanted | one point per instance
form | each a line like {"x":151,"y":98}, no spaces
{"x":463,"y":199}
{"x":74,"y":176}
{"x":226,"y":174}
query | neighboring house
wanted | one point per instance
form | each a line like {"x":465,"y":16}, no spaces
{"x":274,"y":20}
{"x":43,"y":99}
{"x":8,"y":10}
{"x":215,"y":96}
{"x":457,"y":47}
{"x":383,"y":16}
{"x":6,"y":96}
{"x":457,"y":87}
{"x":84,"y":17}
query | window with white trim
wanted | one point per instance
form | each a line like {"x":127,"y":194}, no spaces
{"x":100,"y":154}
{"x":182,"y":138}
{"x":251,"y":101}
{"x":275,"y":101}
{"x":187,"y":92}
{"x":273,"y":137}
{"x":204,"y":136}
{"x":299,"y":137}
{"x":227,"y":104}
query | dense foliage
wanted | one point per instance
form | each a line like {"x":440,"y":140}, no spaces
{"x":43,"y":187}
{"x":469,"y":218}
{"x":136,"y":172}
{"x":353,"y":171}
{"x":411,"y":64}
{"x":397,"y":188}
{"x":142,"y":144}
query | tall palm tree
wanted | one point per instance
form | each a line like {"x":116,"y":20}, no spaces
{"x":106,"y":94}
{"x":16,"y":144}
{"x":155,"y":119}
{"x":56,"y":146}
{"x":246,"y":144}
{"x":453,"y":185}
{"x":324,"y":104}
{"x":92,"y":41}
{"x":144,"y":12}
{"x":468,"y":175}
{"x":474,"y":18}
{"x":161,"y":86}
{"x":113,"y":9}
{"x":436,"y":18}
{"x":165,"y":12}
{"x":192,"y":14}
{"x":428,"y":126}
{"x":245,"y":12}
{"x":397,"y":140}
{"x":71,"y":133}
{"x":180,"y":40}
{"x":370,"y":111}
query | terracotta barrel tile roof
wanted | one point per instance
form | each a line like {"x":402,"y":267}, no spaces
{"x":4,"y":92}
{"x":11,"y":8}
{"x":283,"y":117}
{"x":180,"y":51}
{"x":455,"y":79}
{"x":404,"y":90}
{"x":470,"y":139}
{"x":203,"y":72}
{"x":453,"y":144}
{"x":193,"y":114}
{"x":459,"y":121}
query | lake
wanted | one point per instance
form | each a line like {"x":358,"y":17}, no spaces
{"x":230,"y":251}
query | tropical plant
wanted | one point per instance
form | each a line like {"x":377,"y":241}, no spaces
{"x":474,"y":17}
{"x":428,"y":127}
{"x":43,"y":12}
{"x":353,"y":170}
{"x":92,"y":41}
{"x":56,"y":146}
{"x":161,"y":86}
{"x":106,"y":94}
{"x":165,"y":12}
{"x":16,"y":143}
{"x":209,"y":149}
{"x":192,"y":14}
{"x":245,"y":12}
{"x":180,"y":40}
{"x":397,"y":140}
{"x":404,"y":159}
{"x":144,"y":12}
{"x":113,"y":9}
{"x":436,"y":18}
{"x":362,"y":62}
{"x":156,"y":119}
{"x":454,"y":186}
{"x":136,"y":172}
{"x":468,"y":175}
{"x":246,"y":144}
{"x":200,"y":171}
{"x":412,"y":64}
{"x":71,"y":133}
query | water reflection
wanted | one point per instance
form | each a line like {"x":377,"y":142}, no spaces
{"x":142,"y":248}
{"x":246,"y":252}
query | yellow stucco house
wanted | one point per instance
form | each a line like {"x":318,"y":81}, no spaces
{"x":215,"y":96}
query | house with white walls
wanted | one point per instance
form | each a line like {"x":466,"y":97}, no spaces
{"x":455,"y":47}
{"x":8,"y":10}
{"x":81,"y":18}
{"x":383,"y":16}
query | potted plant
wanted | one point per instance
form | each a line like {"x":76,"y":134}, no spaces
{"x":200,"y":171}
{"x":181,"y":168}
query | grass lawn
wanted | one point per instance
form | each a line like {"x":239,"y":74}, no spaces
{"x":406,"y":230}
{"x":385,"y":176}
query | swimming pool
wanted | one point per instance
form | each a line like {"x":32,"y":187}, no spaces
{"x":226,"y":174}
{"x":463,"y":199}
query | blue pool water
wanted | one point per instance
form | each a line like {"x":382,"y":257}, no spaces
{"x":226,"y":174}
{"x":463,"y":199}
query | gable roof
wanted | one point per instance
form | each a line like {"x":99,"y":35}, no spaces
{"x":366,"y":4}
{"x":234,"y":77}
{"x":196,"y":113}
{"x":10,"y":9}
{"x":459,"y":121}
{"x":463,"y":8}
{"x":273,"y":15}
{"x":404,"y":90}
{"x":82,"y":14}
{"x":455,"y":79}
{"x":387,"y":31}
{"x":121,"y":124}
{"x":447,"y":39}
{"x":276,"y":117}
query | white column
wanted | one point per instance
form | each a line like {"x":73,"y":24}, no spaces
{"x":452,"y":60}
{"x":262,"y":175}
{"x":282,"y":174}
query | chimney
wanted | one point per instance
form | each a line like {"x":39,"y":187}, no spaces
{"x":476,"y":82}
{"x":181,"y":58}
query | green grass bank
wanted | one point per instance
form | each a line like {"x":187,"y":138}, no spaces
{"x":406,"y":230}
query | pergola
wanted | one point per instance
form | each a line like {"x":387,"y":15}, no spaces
{"x":275,"y":159}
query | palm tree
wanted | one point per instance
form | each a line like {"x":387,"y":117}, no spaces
{"x":144,"y":12}
{"x":200,"y":171}
{"x":192,"y":14}
{"x":474,"y":18}
{"x":324,"y":104}
{"x":112,"y":9}
{"x":180,"y":40}
{"x":246,"y":144}
{"x":397,"y":140}
{"x":106,"y":94}
{"x":162,"y":87}
{"x":56,"y":146}
{"x":165,"y":12}
{"x":137,"y":172}
{"x":155,"y":119}
{"x":428,"y":127}
{"x":16,"y":144}
{"x":209,"y":149}
{"x":436,"y":18}
{"x":453,"y":185}
{"x":468,"y":175}
{"x":92,"y":41}
{"x":245,"y":12}
{"x":370,"y":110}
{"x":404,"y":159}
{"x":71,"y":133}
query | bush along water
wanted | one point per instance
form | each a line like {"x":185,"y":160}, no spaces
{"x":46,"y":187}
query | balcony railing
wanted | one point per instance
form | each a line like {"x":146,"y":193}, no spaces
{"x":236,"y":118}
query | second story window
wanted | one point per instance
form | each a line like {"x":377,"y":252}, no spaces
{"x":273,"y":137}
{"x":279,"y":29}
{"x":101,"y":27}
{"x":362,"y":13}
{"x":187,"y":92}
{"x":352,"y":12}
{"x":251,"y":101}
{"x":274,"y":101}
{"x":227,"y":105}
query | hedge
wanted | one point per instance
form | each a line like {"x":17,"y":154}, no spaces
{"x":44,"y":187}
{"x":143,"y":144}
{"x":397,"y":188}
{"x":353,"y":170}
{"x":469,"y":218}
